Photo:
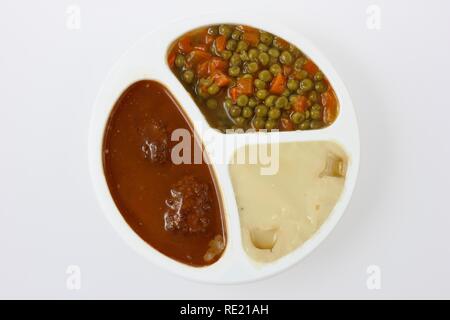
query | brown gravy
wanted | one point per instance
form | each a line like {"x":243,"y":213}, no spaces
{"x":174,"y":208}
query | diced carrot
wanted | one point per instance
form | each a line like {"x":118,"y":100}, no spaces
{"x":201,"y":47}
{"x":252,"y":37}
{"x":197,"y":56}
{"x":245,"y":86}
{"x":209,"y":39}
{"x":286,"y":124}
{"x":221,"y":79}
{"x":244,"y":28}
{"x":203,"y":69}
{"x":310,"y":67}
{"x":300,"y":104}
{"x":171,"y":58}
{"x":278,"y":84}
{"x":185,"y":45}
{"x":217,"y":64}
{"x":211,"y":66}
{"x":221,"y":43}
{"x":234,"y":94}
{"x":329,"y":103}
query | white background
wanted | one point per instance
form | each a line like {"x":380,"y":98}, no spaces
{"x":398,"y":218}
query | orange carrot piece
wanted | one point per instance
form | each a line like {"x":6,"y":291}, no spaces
{"x":171,"y":58}
{"x":221,"y":79}
{"x":329,"y":103}
{"x":217,"y":64}
{"x":286,"y":124}
{"x":300,"y":104}
{"x":252,"y":37}
{"x":234,"y":94}
{"x":245,"y":86}
{"x":221,"y":43}
{"x":185,"y":45}
{"x":203,"y":69}
{"x":310,"y":67}
{"x":197,"y":56}
{"x":209,"y":39}
{"x":278,"y":84}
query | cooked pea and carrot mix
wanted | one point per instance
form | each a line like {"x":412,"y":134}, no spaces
{"x":242,"y":77}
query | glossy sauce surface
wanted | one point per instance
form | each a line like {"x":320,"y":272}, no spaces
{"x":174,"y":208}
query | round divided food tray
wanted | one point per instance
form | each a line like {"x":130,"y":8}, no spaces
{"x":147,"y":59}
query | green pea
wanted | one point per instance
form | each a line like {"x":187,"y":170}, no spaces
{"x":241,"y":46}
{"x":235,"y":59}
{"x":274,"y":113}
{"x":252,"y":102}
{"x":261,"y":110}
{"x":316,"y":124}
{"x":235,"y":111}
{"x":298,"y":65}
{"x":320,"y":87}
{"x":188,"y":76}
{"x":315,"y":114}
{"x":211,"y":103}
{"x":239,"y":121}
{"x":226,"y":54}
{"x":247,"y":75}
{"x":298,"y":117}
{"x":270,"y":101}
{"x":305,"y":125}
{"x":293,"y":98}
{"x":292,"y":84}
{"x":285,"y":57}
{"x":242,"y":100}
{"x":236,"y":35}
{"x":234,"y":71}
{"x":274,"y":52}
{"x":262,"y":47}
{"x":301,"y":92}
{"x":225,"y":30}
{"x":231,"y":45}
{"x":266,"y":38}
{"x":252,"y":67}
{"x":205,"y":82}
{"x":313,"y":96}
{"x":213,"y":89}
{"x":271,"y":124}
{"x":263,"y":58}
{"x":228,"y":103}
{"x":180,"y":61}
{"x":286,"y":93}
{"x":300,"y":75}
{"x":282,"y":103}
{"x":319,"y":76}
{"x":306,"y":84}
{"x":265,"y":75}
{"x":261,"y":94}
{"x":247,"y":112}
{"x":259,"y":84}
{"x":259,"y":123}
{"x":244,"y":55}
{"x":275,"y":69}
{"x":213,"y":31}
{"x":316,"y":107}
{"x":253,"y":54}
{"x":307,"y":114}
